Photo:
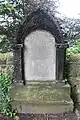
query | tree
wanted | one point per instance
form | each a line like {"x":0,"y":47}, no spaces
{"x":12,"y":14}
{"x":71,"y":28}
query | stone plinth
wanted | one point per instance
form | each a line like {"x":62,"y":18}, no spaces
{"x":42,"y":98}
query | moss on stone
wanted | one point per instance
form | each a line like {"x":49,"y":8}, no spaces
{"x":73,"y":69}
{"x":38,"y":94}
{"x":74,"y":58}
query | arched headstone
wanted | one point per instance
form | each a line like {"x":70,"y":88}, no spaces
{"x":40,"y":52}
{"x":40,"y":56}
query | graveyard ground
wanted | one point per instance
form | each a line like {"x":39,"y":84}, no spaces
{"x":63,"y":116}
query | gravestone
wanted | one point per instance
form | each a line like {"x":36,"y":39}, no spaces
{"x":40,"y":56}
{"x":39,"y":41}
{"x":39,"y":64}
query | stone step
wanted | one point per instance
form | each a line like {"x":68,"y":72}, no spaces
{"x":42,"y":98}
{"x":54,"y":108}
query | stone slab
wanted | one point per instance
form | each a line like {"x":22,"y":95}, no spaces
{"x":42,"y":99}
{"x":43,"y":108}
{"x":40,"y":56}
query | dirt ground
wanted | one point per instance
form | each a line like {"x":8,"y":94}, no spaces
{"x":63,"y":116}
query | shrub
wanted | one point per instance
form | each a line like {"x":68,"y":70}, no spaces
{"x":5,"y":99}
{"x":74,"y":49}
{"x":5,"y":86}
{"x":6,"y":56}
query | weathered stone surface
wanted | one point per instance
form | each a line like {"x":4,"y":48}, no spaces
{"x":40,"y":56}
{"x":40,"y":60}
{"x":74,"y":79}
{"x":41,"y":21}
{"x":74,"y":69}
{"x":43,"y":108}
{"x":42,"y":97}
{"x":17,"y":66}
{"x":75,"y":58}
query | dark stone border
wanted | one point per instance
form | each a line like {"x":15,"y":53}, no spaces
{"x":39,"y":20}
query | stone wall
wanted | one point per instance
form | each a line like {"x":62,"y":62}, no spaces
{"x":6,"y":62}
{"x":73,"y":76}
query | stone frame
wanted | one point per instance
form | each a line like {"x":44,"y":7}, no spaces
{"x":38,"y":20}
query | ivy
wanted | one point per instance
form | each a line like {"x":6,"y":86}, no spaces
{"x":5,"y":98}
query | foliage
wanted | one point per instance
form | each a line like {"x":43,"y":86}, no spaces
{"x":70,"y":52}
{"x":5,"y":99}
{"x":70,"y":28}
{"x":74,"y":49}
{"x":13,"y":13}
{"x":6,"y":56}
{"x":5,"y":44}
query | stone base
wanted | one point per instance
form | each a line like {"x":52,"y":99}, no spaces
{"x":42,"y":108}
{"x":42,"y":98}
